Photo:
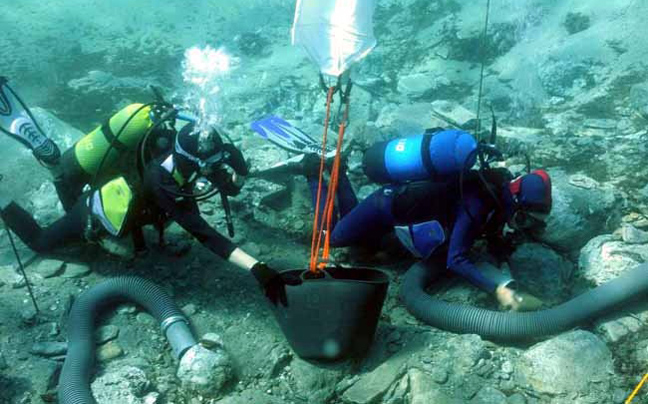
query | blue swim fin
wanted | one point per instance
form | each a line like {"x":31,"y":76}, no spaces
{"x":288,"y":137}
{"x":17,"y":121}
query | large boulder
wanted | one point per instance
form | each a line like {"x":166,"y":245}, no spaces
{"x":489,"y":395}
{"x":574,"y":362}
{"x":541,"y":271}
{"x":582,"y":208}
{"x":44,"y":203}
{"x":403,"y":119}
{"x":319,"y":382}
{"x":205,"y":372}
{"x":424,"y":390}
{"x":606,"y":257}
{"x":436,"y":79}
{"x":396,"y":120}
{"x":463,"y":352}
{"x":372,"y":385}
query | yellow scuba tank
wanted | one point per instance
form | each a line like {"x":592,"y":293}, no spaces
{"x":89,"y":151}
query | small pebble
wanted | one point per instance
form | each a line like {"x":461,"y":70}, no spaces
{"x":106,"y":333}
{"x":211,"y":340}
{"x":507,"y":385}
{"x":49,"y":268}
{"x":619,"y":395}
{"x":632,"y":235}
{"x":145,"y":318}
{"x":207,"y":209}
{"x":109,"y":351}
{"x":73,"y":270}
{"x":439,"y":375}
{"x":53,"y":329}
{"x":29,"y":316}
{"x":19,"y":283}
{"x":127,"y":309}
{"x":49,"y":349}
{"x":151,"y":398}
{"x":189,"y":309}
{"x":516,"y":398}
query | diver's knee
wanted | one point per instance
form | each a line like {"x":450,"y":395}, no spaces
{"x":338,"y":239}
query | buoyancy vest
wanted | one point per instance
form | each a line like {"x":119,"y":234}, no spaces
{"x":111,"y":205}
{"x":421,"y":239}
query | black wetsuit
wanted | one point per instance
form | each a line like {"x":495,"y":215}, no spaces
{"x":68,"y":229}
{"x":155,"y":201}
{"x":159,"y":201}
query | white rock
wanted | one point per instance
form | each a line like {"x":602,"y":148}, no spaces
{"x":124,"y":385}
{"x":204,"y":371}
{"x":632,"y":235}
{"x":578,"y":214}
{"x":616,"y":329}
{"x":603,"y":258}
{"x":418,"y":84}
{"x":567,"y":363}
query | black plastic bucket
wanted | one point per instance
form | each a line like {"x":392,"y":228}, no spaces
{"x":333,"y":317}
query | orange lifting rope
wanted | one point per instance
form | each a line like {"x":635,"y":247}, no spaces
{"x":322,"y":223}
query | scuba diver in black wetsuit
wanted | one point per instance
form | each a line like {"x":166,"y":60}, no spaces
{"x":119,"y":207}
{"x":438,"y":213}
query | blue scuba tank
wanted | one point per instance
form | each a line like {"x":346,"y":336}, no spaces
{"x":429,"y":156}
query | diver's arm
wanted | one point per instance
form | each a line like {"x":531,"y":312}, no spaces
{"x":464,"y":232}
{"x":242,"y":259}
{"x":463,"y":235}
{"x":159,"y":186}
{"x":219,"y":244}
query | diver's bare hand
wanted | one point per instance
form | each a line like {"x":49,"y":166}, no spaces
{"x":508,"y":298}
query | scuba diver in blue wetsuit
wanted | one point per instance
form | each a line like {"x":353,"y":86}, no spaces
{"x":438,"y":208}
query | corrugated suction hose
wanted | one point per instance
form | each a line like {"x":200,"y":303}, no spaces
{"x":513,"y":326}
{"x":74,"y":382}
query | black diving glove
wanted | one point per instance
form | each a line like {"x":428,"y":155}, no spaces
{"x":274,"y":282}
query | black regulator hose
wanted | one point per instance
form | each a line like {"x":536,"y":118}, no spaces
{"x":74,"y":382}
{"x":512,"y":326}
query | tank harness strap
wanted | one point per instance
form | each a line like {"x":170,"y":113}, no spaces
{"x":160,"y":228}
{"x":92,"y":227}
{"x":5,"y":106}
{"x":425,"y":154}
{"x":108,"y":133}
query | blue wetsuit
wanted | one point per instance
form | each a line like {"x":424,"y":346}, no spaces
{"x":396,"y":205}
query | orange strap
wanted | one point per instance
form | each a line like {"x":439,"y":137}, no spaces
{"x":322,"y":225}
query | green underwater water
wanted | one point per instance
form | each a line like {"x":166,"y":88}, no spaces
{"x":567,"y":81}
